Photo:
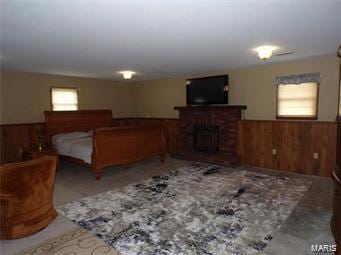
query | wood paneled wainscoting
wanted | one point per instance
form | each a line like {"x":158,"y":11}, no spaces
{"x":295,"y":142}
{"x":289,"y":145}
{"x":17,"y":137}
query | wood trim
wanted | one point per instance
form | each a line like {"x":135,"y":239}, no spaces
{"x":114,"y":119}
{"x":165,"y":119}
{"x":22,"y":124}
{"x":338,"y":114}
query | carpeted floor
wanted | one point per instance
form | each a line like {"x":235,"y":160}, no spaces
{"x":309,"y":222}
{"x":196,"y":209}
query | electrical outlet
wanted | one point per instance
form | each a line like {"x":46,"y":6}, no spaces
{"x":274,"y":152}
{"x":316,"y":155}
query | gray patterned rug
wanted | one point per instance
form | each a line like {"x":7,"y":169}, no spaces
{"x":198,"y":209}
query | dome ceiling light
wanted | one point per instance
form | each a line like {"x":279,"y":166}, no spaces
{"x":265,"y":52}
{"x":127,"y":75}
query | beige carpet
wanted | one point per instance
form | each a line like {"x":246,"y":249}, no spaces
{"x":76,"y":242}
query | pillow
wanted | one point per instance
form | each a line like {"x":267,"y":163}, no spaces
{"x":90,"y":132}
{"x":68,"y":136}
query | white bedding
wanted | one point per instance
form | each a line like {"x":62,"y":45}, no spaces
{"x":77,"y":147}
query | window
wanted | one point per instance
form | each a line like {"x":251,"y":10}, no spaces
{"x":297,"y":96}
{"x":64,"y":99}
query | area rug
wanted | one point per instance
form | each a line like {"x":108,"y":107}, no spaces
{"x":197,"y":209}
{"x":75,"y":242}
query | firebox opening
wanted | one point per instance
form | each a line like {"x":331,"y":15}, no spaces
{"x":206,"y":138}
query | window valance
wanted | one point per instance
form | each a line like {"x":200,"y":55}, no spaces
{"x":298,"y":79}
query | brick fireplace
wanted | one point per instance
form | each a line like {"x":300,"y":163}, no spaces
{"x":209,"y":133}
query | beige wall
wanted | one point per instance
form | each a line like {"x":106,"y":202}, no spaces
{"x":158,"y":98}
{"x":253,"y":86}
{"x":25,"y":96}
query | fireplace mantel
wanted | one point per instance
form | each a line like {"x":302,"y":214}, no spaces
{"x":211,"y":107}
{"x":226,"y":117}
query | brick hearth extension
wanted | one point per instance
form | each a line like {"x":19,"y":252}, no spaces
{"x":226,"y":117}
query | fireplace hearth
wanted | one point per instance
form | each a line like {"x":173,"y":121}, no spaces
{"x":206,"y":138}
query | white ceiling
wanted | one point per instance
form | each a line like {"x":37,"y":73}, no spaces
{"x":160,"y":39}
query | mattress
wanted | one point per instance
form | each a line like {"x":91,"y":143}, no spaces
{"x":76,"y":147}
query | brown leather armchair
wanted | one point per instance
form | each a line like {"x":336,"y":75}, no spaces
{"x":26,"y":194}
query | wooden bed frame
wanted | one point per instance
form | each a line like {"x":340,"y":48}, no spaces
{"x":111,"y":145}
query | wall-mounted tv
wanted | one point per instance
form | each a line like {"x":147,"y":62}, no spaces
{"x":207,"y":90}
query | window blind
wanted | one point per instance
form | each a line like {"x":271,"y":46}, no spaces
{"x":64,"y":99}
{"x":297,"y":100}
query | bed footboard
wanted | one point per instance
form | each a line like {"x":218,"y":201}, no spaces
{"x":122,"y":145}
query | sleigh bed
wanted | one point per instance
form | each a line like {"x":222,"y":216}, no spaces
{"x":88,"y":137}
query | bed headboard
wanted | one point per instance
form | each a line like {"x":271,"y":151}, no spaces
{"x":70,"y":121}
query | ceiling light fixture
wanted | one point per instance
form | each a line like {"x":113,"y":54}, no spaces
{"x":127,"y":75}
{"x":265,"y":52}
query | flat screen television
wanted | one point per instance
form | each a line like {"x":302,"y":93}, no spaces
{"x":207,"y":90}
